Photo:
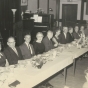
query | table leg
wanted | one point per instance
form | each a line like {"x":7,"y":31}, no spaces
{"x":74,"y":66}
{"x":65,"y":74}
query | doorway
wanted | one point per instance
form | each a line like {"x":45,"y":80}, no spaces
{"x":69,"y":14}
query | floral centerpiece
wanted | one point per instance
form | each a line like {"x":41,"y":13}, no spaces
{"x":37,"y":61}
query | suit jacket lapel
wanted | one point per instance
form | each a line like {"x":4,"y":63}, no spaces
{"x":17,"y":51}
{"x":64,"y":36}
{"x":11,"y":51}
{"x":48,"y":41}
{"x":31,"y":47}
{"x":67,"y":36}
{"x":72,"y":35}
{"x":26,"y":48}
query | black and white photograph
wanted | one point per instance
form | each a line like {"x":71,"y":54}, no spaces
{"x":43,"y":43}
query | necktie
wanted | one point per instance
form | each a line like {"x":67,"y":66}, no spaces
{"x":65,"y":35}
{"x":71,"y":35}
{"x":29,"y":47}
{"x":15,"y":51}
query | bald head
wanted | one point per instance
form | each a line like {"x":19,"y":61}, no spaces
{"x":10,"y":39}
{"x":65,"y":29}
{"x":49,"y":34}
{"x":76,"y":29}
{"x":27,"y":38}
{"x":82,"y":28}
{"x":11,"y":42}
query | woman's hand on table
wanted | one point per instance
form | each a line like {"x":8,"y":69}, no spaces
{"x":55,"y":45}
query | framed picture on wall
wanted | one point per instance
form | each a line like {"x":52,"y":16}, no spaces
{"x":85,"y":16}
{"x":24,"y":2}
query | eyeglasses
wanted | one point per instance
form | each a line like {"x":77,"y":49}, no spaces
{"x":12,"y":42}
{"x":27,"y":37}
{"x":39,"y":36}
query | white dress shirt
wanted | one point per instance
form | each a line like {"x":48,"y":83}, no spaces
{"x":14,"y":49}
{"x":65,"y":35}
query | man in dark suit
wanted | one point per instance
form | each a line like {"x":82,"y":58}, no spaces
{"x":76,"y":34}
{"x":64,"y":36}
{"x":47,"y":41}
{"x":12,"y":53}
{"x":71,"y":38}
{"x":26,"y":48}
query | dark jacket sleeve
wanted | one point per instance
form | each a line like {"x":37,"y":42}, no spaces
{"x":60,"y":37}
{"x":8,"y":56}
{"x":2,"y":60}
{"x":47,"y":44}
{"x":35,"y":47}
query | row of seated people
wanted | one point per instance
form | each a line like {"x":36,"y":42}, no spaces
{"x":12,"y":54}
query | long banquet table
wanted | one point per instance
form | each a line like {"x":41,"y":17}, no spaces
{"x":75,"y":52}
{"x":30,"y":76}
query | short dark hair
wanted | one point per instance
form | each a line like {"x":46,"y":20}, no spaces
{"x":27,"y":34}
{"x":57,"y":29}
{"x":70,"y":28}
{"x":76,"y":26}
{"x":82,"y":25}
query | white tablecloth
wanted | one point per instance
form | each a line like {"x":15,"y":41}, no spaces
{"x":74,"y":51}
{"x":30,"y":76}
